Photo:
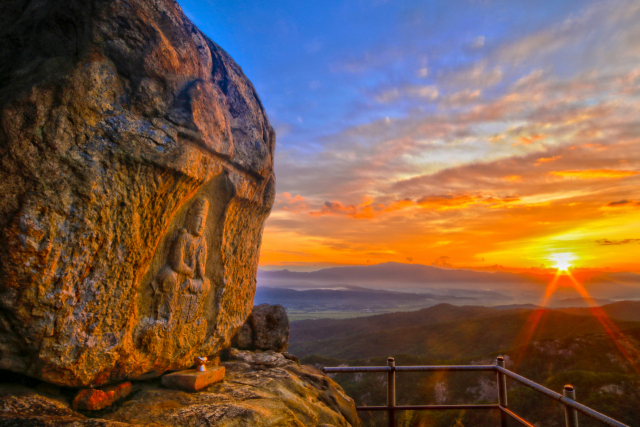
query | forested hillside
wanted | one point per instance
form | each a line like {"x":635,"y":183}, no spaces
{"x":441,"y":331}
{"x":623,"y":310}
{"x":313,"y":330}
{"x":601,"y":362}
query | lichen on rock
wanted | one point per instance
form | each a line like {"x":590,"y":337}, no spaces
{"x":136,"y":173}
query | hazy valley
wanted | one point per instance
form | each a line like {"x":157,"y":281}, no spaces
{"x":344,"y":292}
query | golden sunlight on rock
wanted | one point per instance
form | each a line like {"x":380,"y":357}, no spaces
{"x":131,"y":220}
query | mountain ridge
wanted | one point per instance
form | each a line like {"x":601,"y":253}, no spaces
{"x":468,"y":336}
{"x":518,"y":287}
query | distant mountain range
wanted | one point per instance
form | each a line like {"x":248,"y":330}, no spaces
{"x":391,"y":273}
{"x":560,"y":303}
{"x":487,"y":288}
{"x":356,"y":298}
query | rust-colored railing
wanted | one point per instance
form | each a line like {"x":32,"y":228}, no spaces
{"x":568,"y":399}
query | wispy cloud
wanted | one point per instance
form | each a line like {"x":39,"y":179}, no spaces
{"x":623,"y":204}
{"x":424,"y":92}
{"x":478,"y":75}
{"x":542,"y":160}
{"x":286,"y":202}
{"x":595,"y":174}
{"x":607,"y":242}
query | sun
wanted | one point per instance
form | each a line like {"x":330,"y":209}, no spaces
{"x":562,"y":260}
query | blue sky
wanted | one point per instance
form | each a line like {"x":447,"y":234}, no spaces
{"x":318,"y":66}
{"x":422,"y":130}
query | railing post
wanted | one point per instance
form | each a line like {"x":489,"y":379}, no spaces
{"x":391,"y":390}
{"x":570,"y":414}
{"x":502,"y":392}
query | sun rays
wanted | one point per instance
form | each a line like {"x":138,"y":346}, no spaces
{"x":624,"y":345}
{"x":563,"y":262}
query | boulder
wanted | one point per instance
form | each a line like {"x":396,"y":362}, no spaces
{"x":267,"y":328}
{"x":136,"y":173}
{"x":25,"y":408}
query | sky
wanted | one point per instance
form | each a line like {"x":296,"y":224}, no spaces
{"x":464,"y":134}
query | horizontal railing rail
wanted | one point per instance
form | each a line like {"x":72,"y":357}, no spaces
{"x":563,"y":399}
{"x":343,"y":369}
{"x":568,"y":399}
{"x":426,"y":407}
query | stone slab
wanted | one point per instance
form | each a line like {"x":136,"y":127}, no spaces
{"x":96,"y":399}
{"x":192,"y":379}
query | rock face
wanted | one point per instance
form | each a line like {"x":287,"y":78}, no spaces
{"x":260,"y":389}
{"x":267,"y":328}
{"x":136,"y":173}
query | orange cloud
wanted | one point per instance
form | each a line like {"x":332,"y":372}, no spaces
{"x":362,"y":211}
{"x":449,"y":201}
{"x":526,"y":141}
{"x":510,"y":199}
{"x":336,"y":208}
{"x":365,"y":212}
{"x":547,"y":159}
{"x":590,"y":145}
{"x":369,"y":210}
{"x":497,"y":202}
{"x":287,"y":202}
{"x":400,"y":204}
{"x":595,"y":173}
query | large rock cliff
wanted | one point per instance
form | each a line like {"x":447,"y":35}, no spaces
{"x":136,"y":173}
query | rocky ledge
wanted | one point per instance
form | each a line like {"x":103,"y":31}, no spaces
{"x":261,"y":388}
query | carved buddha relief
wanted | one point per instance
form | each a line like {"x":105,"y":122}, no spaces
{"x":181,"y":285}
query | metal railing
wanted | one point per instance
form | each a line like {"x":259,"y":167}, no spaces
{"x":571,"y":407}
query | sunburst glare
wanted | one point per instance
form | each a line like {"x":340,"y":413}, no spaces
{"x":562,"y":260}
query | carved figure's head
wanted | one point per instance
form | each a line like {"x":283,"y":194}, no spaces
{"x":197,"y":216}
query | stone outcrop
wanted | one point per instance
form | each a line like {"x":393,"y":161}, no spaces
{"x":136,"y":173}
{"x":260,"y":389}
{"x":267,"y":328}
{"x":23,"y":407}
